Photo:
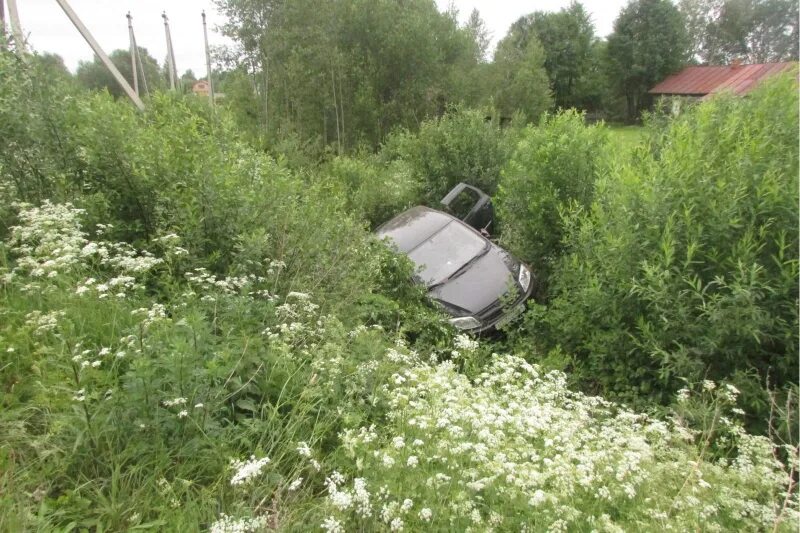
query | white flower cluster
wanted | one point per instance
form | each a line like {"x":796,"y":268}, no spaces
{"x":229,"y":285}
{"x":156,"y":313}
{"x":246,"y":471}
{"x":229,"y":524}
{"x":49,"y":240}
{"x":43,"y":323}
{"x":516,"y":434}
{"x":357,"y":499}
{"x":121,"y":257}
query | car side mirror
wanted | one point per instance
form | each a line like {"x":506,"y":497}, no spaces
{"x":471,"y":205}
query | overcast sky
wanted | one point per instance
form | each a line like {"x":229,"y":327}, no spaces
{"x":49,"y":30}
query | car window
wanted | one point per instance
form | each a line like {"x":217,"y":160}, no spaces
{"x":463,"y":203}
{"x":445,"y":252}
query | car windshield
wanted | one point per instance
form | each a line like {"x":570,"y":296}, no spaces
{"x":441,"y":255}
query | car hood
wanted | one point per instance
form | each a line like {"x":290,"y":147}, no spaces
{"x":484,"y":282}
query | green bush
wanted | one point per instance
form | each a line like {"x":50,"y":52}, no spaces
{"x":686,"y":265}
{"x":551,"y":170}
{"x":178,"y":168}
{"x":372,"y":191}
{"x":123,"y":409}
{"x":462,"y":145}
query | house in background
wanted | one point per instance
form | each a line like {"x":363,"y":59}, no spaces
{"x":201,"y":88}
{"x":700,"y":82}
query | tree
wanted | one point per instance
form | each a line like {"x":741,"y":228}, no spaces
{"x":347,"y":73}
{"x":51,"y":65}
{"x":476,"y":28}
{"x":187,"y":81}
{"x":95,"y":76}
{"x":755,"y":31}
{"x":567,"y":38}
{"x":521,"y":82}
{"x":649,"y":42}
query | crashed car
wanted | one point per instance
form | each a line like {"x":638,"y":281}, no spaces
{"x":481,"y":285}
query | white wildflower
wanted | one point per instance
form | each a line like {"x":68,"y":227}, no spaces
{"x":538,"y":498}
{"x":228,"y":524}
{"x":303,"y":449}
{"x":174,"y":402}
{"x":247,"y":470}
{"x":331,"y":525}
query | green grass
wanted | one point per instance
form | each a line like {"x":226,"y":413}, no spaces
{"x":627,"y":138}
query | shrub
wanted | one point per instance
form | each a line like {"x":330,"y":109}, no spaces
{"x":516,"y":450}
{"x":126,"y":391}
{"x":178,"y":168}
{"x":551,"y":170}
{"x":460,"y":146}
{"x":686,"y":265}
{"x":371,"y":190}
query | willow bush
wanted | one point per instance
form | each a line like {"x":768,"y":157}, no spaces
{"x":552,"y":169}
{"x":685,"y":267}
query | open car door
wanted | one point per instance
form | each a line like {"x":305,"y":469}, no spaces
{"x":471,"y":205}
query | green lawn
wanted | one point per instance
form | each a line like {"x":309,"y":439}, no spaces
{"x":627,"y":137}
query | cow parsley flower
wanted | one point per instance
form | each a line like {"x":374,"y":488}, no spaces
{"x":303,"y":449}
{"x":247,"y":470}
{"x":331,"y":525}
{"x":228,"y":524}
{"x":174,"y":402}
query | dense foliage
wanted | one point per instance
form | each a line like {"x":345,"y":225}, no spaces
{"x":349,"y":72}
{"x":551,"y":171}
{"x":756,"y":31}
{"x":94,"y":74}
{"x":568,"y":39}
{"x":686,"y":265}
{"x":649,"y":43}
{"x":463,"y":145}
{"x":198,"y":331}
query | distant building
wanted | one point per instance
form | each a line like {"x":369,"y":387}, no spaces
{"x":701,"y":82}
{"x":201,"y":88}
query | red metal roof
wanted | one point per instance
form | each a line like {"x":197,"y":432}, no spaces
{"x":701,"y":81}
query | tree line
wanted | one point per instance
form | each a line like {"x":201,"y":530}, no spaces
{"x":343,"y":74}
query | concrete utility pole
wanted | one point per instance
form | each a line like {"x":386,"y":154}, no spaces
{"x":134,"y":53}
{"x":2,"y":24}
{"x":208,"y":63}
{"x":173,"y":72}
{"x":100,"y":53}
{"x":16,"y":27}
{"x":2,"y":20}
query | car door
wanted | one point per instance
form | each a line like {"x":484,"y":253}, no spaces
{"x":471,"y":205}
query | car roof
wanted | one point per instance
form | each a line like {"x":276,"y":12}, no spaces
{"x":414,"y":226}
